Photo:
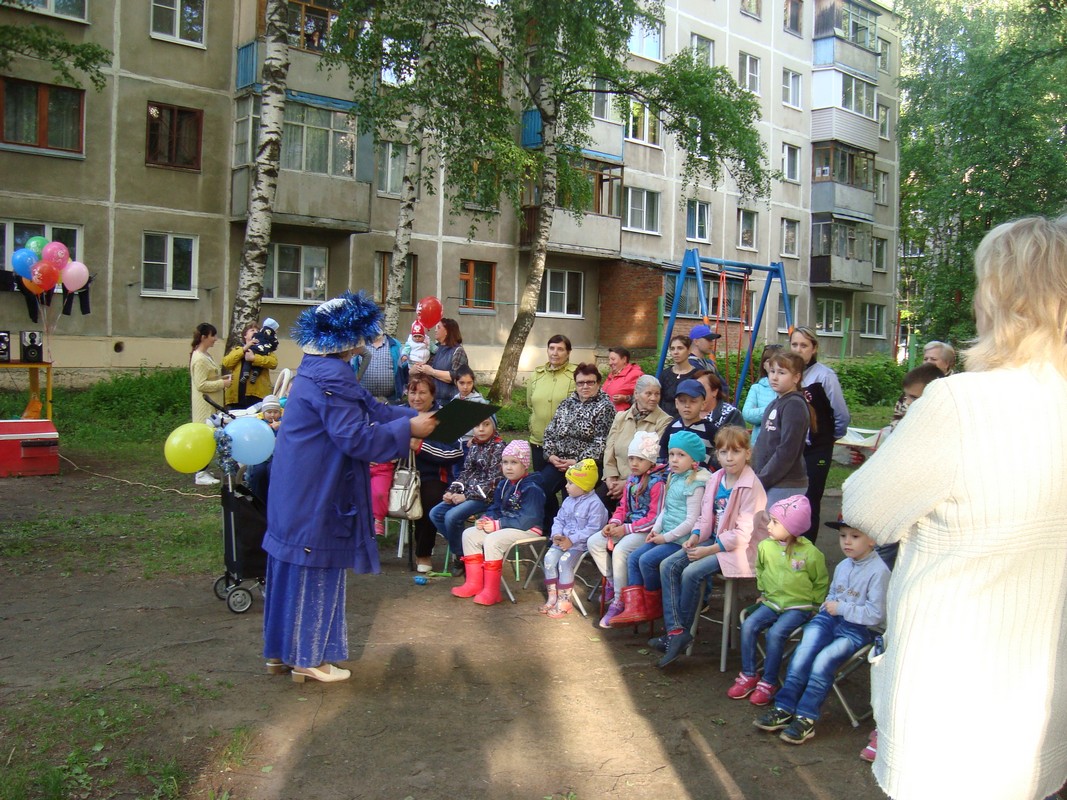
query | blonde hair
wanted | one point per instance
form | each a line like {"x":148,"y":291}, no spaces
{"x":1020,"y":303}
{"x":733,"y":437}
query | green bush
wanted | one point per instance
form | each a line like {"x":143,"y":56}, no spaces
{"x":515,"y":416}
{"x":873,"y":380}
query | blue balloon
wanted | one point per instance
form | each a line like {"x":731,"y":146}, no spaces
{"x":22,"y":262}
{"x":252,"y":440}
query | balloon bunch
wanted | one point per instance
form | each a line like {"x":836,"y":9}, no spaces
{"x":42,"y":264}
{"x":429,"y":311}
{"x":245,"y":440}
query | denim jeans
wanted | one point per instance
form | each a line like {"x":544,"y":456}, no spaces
{"x":778,"y":627}
{"x":559,"y":565}
{"x":642,"y":567}
{"x":827,"y":644}
{"x":681,"y":580}
{"x":451,"y":521}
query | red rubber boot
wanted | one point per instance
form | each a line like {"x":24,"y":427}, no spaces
{"x":633,"y":607}
{"x":474,"y":576}
{"x":490,"y":593}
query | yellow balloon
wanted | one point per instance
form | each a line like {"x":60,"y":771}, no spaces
{"x":190,"y":447}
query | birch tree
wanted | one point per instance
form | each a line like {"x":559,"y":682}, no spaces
{"x":264,"y":183}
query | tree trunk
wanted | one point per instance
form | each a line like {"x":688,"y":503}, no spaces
{"x":249,"y":292}
{"x":405,"y":220}
{"x":524,"y":318}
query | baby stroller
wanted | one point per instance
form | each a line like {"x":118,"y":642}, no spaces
{"x":244,"y":522}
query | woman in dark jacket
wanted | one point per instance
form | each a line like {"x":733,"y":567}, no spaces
{"x":446,"y":361}
{"x":434,"y":461}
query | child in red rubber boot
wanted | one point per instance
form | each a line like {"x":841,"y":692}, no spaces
{"x":517,"y":510}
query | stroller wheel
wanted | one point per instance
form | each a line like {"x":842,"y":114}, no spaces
{"x":223,"y":586}
{"x":239,"y":600}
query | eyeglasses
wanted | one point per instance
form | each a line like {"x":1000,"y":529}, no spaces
{"x":585,"y":383}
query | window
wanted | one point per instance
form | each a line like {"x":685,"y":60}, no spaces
{"x":841,"y":239}
{"x":860,"y":25}
{"x":697,"y":217}
{"x":173,"y":136}
{"x":408,"y":291}
{"x":643,"y":124}
{"x":295,"y":272}
{"x":883,"y":121}
{"x":843,"y":164}
{"x":42,"y":115}
{"x":791,"y":162}
{"x":168,"y":264}
{"x":857,"y":95}
{"x":310,"y":22}
{"x":75,"y":9}
{"x":881,"y":187}
{"x":689,"y":301}
{"x":647,"y":42}
{"x":874,"y":320}
{"x":181,"y":20}
{"x":794,"y":16}
{"x":747,"y":229}
{"x":604,"y":106}
{"x":791,"y":88}
{"x":753,"y":8}
{"x":14,"y":234}
{"x":392,"y":160}
{"x":705,"y":49}
{"x":829,"y":316}
{"x":477,"y":284}
{"x":319,"y":140}
{"x":561,"y":293}
{"x":748,"y":72}
{"x":883,"y":55}
{"x":880,"y":254}
{"x":790,"y":238}
{"x":642,"y":210}
{"x":783,"y":323}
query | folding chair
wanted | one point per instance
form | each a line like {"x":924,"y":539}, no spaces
{"x":407,"y":532}
{"x":792,"y":640}
{"x":537,"y":556}
{"x":730,"y":621}
{"x":855,"y":661}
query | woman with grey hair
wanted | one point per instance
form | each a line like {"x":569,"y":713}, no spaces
{"x":942,"y":355}
{"x":644,"y":415}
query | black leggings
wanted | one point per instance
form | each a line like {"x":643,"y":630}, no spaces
{"x":431,"y":490}
{"x":817,"y":460}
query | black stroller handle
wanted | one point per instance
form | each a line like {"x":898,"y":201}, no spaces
{"x":217,"y":407}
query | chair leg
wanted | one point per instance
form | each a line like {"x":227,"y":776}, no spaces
{"x":402,"y":538}
{"x":727,"y":620}
{"x":539,"y":556}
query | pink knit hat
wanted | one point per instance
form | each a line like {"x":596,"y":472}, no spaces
{"x":519,"y":450}
{"x":794,"y":513}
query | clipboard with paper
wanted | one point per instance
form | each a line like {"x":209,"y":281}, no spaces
{"x":457,"y":417}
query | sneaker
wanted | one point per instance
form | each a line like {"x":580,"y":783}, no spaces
{"x":613,"y":611}
{"x":676,"y":645}
{"x":763,"y":694}
{"x":206,"y":479}
{"x":799,"y":731}
{"x":774,"y":720}
{"x":743,"y":686}
{"x":869,"y":752}
{"x":659,"y":643}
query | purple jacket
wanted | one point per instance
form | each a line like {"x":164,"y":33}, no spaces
{"x":579,"y":518}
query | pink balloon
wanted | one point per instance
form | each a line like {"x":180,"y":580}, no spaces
{"x":74,"y":276}
{"x":55,"y":253}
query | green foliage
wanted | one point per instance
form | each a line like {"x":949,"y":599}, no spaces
{"x":983,"y":136}
{"x":514,"y":416}
{"x":45,"y":44}
{"x":873,"y":380}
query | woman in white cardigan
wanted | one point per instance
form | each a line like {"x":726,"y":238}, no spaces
{"x":205,"y":378}
{"x":970,"y":696}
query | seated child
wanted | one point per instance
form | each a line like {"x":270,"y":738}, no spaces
{"x":516,"y":512}
{"x":723,"y":541}
{"x":642,"y":597}
{"x":270,"y":411}
{"x":855,"y":603}
{"x":257,"y":476}
{"x":264,"y":342}
{"x":638,"y":508}
{"x":581,"y":515}
{"x":689,"y":400}
{"x":469,"y":494}
{"x":792,"y":579}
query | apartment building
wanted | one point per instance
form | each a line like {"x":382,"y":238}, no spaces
{"x":147,"y":181}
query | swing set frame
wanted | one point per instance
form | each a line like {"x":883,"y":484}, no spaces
{"x":691,"y":264}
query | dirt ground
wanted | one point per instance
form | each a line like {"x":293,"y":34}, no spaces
{"x":447,"y":699}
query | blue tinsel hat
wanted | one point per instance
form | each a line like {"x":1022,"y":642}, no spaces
{"x":337,"y":325}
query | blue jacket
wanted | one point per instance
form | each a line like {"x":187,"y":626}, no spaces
{"x":760,"y":395}
{"x":519,"y":505}
{"x":319,"y":506}
{"x":579,"y":518}
{"x":399,"y":387}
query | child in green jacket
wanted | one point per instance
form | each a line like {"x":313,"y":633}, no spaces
{"x":792,"y":578}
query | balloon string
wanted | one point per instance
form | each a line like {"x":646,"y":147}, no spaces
{"x":138,"y":483}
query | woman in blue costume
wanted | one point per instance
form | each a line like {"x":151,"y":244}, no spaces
{"x":319,"y":519}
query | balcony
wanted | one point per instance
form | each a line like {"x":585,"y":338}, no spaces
{"x":841,"y":200}
{"x":837,"y":52}
{"x":594,"y":235}
{"x":838,"y":272}
{"x":837,"y":124}
{"x":310,"y":199}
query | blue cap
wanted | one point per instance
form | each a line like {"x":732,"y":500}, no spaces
{"x":691,"y":387}
{"x":703,"y":332}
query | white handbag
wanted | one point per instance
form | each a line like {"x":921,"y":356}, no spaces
{"x":404,"y":499}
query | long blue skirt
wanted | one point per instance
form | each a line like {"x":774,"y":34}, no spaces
{"x":304,"y":614}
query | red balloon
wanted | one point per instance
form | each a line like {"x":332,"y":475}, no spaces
{"x":429,"y":311}
{"x":45,"y":275}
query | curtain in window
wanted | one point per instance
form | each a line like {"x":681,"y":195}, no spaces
{"x":20,"y":113}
